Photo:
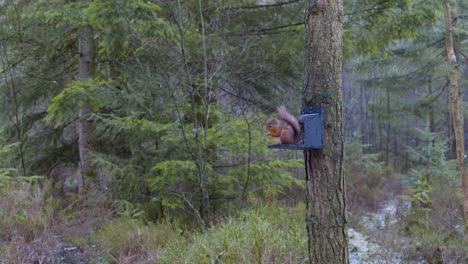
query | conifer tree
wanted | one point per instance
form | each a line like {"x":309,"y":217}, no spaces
{"x":85,"y":129}
{"x":456,"y":102}
{"x":327,"y":227}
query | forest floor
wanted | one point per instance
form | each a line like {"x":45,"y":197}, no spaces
{"x":32,"y":231}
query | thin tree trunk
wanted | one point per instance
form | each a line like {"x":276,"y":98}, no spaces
{"x":374,"y":124}
{"x":455,"y":91}
{"x":199,"y":124}
{"x":85,"y":129}
{"x":246,"y":182}
{"x":456,"y":102}
{"x":387,"y":127}
{"x":206,"y":111}
{"x":432,"y":122}
{"x":13,"y":95}
{"x":326,"y":200}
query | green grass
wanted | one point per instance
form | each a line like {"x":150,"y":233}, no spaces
{"x":32,"y":224}
{"x":269,"y":234}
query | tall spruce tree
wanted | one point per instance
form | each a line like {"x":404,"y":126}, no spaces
{"x":327,"y":227}
{"x":456,"y":101}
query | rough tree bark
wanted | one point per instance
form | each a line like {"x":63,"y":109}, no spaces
{"x":456,"y":102}
{"x":326,"y":200}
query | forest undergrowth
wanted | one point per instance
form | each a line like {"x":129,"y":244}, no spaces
{"x":35,"y":227}
{"x":393,"y":218}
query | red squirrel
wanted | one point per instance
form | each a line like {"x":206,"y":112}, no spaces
{"x":286,"y":127}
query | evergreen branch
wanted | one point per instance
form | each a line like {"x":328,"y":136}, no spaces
{"x":441,"y":91}
{"x":435,"y":42}
{"x":465,"y":57}
{"x":66,"y":69}
{"x":240,"y":163}
{"x":267,"y":5}
{"x":372,"y":9}
{"x":265,"y":31}
{"x":252,"y":102}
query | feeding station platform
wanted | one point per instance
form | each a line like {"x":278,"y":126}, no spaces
{"x":311,"y":120}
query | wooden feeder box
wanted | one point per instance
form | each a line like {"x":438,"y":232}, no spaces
{"x":311,"y":119}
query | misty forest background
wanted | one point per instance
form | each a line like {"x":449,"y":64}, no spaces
{"x":173,"y":109}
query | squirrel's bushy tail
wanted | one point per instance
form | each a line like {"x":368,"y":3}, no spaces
{"x":284,"y":114}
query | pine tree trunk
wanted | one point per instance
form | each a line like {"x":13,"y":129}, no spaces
{"x":456,"y":102}
{"x":85,"y":129}
{"x":326,"y":201}
{"x":387,"y":126}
